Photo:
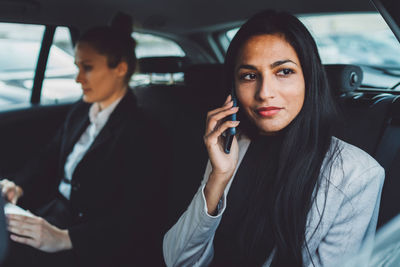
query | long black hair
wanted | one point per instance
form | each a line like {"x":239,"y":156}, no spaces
{"x":306,"y":143}
{"x":115,"y":42}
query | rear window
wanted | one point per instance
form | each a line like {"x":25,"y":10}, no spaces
{"x":150,"y":45}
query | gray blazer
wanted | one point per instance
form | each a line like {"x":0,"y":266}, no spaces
{"x":349,"y":219}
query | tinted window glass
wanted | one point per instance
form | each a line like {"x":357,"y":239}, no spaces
{"x":19,"y":50}
{"x":149,"y":45}
{"x":59,"y":84}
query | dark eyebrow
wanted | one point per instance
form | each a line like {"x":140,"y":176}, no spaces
{"x":273,"y":65}
{"x":281,"y":62}
{"x":250,"y":67}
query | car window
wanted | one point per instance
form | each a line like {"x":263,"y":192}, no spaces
{"x":356,"y":38}
{"x":59,"y":83}
{"x":19,"y":51}
{"x":150,"y":45}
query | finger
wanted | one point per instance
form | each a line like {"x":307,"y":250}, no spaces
{"x":229,"y":98}
{"x":17,"y":194}
{"x":213,"y":121}
{"x":217,"y":110}
{"x":20,"y":224}
{"x":23,"y":240}
{"x":5,"y":188}
{"x":24,"y":219}
{"x":18,"y":190}
{"x":228,"y":124}
{"x":8,"y":189}
{"x":26,"y":230}
{"x":11,"y":195}
{"x":213,"y":137}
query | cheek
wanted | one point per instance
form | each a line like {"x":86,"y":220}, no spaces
{"x":245,"y":95}
{"x":293,"y":90}
{"x":93,"y":76}
{"x":295,"y":99}
{"x":98,"y":78}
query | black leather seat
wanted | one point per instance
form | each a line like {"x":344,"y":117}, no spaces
{"x":388,"y":155}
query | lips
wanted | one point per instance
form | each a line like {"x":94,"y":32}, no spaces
{"x":268,"y":111}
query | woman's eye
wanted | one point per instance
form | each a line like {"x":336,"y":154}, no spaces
{"x":285,"y":72}
{"x":87,"y":67}
{"x":248,"y":76}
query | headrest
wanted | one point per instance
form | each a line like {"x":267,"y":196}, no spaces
{"x":205,"y":83}
{"x":162,"y":64}
{"x":204,"y":74}
{"x":344,"y":78}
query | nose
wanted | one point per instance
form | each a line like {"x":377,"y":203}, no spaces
{"x":79,"y":77}
{"x":266,"y":90}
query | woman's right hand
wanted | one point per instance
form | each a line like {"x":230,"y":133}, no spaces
{"x":223,"y":165}
{"x":10,"y":191}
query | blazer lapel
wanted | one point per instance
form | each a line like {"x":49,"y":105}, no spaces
{"x":73,"y":134}
{"x":103,"y":136}
{"x":115,"y":120}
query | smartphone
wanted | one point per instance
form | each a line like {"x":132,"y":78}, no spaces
{"x":230,"y":132}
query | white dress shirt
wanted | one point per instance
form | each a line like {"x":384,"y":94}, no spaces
{"x":98,"y":118}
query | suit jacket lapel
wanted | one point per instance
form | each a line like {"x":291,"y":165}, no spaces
{"x":117,"y":116}
{"x":73,"y":133}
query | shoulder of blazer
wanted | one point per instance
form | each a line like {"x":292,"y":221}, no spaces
{"x":77,"y":110}
{"x":126,"y":110}
{"x":137,"y":120}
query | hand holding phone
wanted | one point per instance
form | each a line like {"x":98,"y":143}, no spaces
{"x":219,"y":137}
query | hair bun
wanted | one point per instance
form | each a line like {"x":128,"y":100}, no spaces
{"x":122,"y":23}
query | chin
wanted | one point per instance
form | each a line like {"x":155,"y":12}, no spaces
{"x":271,"y":128}
{"x":87,"y":99}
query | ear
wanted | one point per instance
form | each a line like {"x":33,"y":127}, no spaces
{"x":122,"y":69}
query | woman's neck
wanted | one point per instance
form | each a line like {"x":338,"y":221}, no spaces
{"x":115,"y":96}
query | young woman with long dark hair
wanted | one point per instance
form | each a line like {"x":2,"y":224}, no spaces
{"x":288,"y":193}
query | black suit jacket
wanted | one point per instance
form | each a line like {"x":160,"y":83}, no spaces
{"x":117,"y":204}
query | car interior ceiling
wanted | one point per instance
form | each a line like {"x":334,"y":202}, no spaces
{"x":162,"y":16}
{"x":369,"y":120}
